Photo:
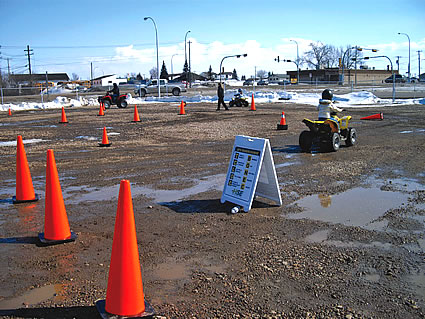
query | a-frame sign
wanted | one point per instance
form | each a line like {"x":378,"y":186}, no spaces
{"x":251,"y":173}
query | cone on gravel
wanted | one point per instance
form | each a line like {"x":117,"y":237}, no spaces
{"x":253,"y":104}
{"x":182,"y":111}
{"x":378,"y":116}
{"x":101,"y":108}
{"x":63,"y":119}
{"x":105,"y":140}
{"x":136,"y":117}
{"x":282,"y":125}
{"x":124,"y":293}
{"x":56,"y":226}
{"x":24,"y":187}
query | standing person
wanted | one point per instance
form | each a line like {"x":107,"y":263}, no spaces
{"x":220,"y":94}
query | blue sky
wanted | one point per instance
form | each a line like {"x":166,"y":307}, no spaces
{"x":67,"y":35}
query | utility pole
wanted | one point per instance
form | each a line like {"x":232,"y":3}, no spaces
{"x":91,"y":74}
{"x":190,"y":69}
{"x":29,"y":53}
{"x":419,"y":63}
{"x":8,"y":67}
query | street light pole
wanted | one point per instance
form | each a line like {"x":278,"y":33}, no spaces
{"x":408,"y":66}
{"x":230,"y":56}
{"x":185,"y":55}
{"x":157,"y":54}
{"x":392,"y":69}
{"x":298,"y":62}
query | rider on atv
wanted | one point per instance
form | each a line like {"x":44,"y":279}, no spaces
{"x":115,"y":92}
{"x":326,"y":108}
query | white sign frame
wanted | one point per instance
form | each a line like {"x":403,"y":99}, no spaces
{"x":251,"y":173}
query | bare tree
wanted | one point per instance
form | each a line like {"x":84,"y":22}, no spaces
{"x":318,"y":56}
{"x":350,"y":55}
{"x":75,"y":77}
{"x":261,"y":74}
{"x":154,"y":73}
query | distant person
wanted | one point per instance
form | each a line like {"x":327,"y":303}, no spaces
{"x":220,"y":94}
{"x":326,"y":107}
{"x":115,"y":92}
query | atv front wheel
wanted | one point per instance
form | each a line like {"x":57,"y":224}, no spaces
{"x":335,"y":142}
{"x":107,"y":104}
{"x":231,"y":103}
{"x":245,"y":103}
{"x":352,"y":137}
{"x":306,"y":141}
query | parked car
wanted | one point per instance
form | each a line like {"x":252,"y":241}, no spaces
{"x":165,"y":87}
{"x":398,"y":79}
{"x":248,"y":82}
{"x":262,"y":82}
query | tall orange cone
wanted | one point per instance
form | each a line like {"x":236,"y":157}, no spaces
{"x":124,"y":294}
{"x":56,"y":226}
{"x":10,"y":112}
{"x":105,"y":140}
{"x":63,"y":119}
{"x":282,"y":125}
{"x":182,"y":111}
{"x":101,"y":113}
{"x":378,"y":116}
{"x":253,"y":104}
{"x":136,"y":117}
{"x":24,"y":188}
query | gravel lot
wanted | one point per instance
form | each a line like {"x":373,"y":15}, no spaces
{"x":357,"y":252}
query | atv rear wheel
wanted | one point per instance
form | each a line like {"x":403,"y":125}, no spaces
{"x":107,"y":104}
{"x":306,"y":141}
{"x":335,"y":142}
{"x":123,"y":104}
{"x":352,"y":137}
{"x":231,"y":103}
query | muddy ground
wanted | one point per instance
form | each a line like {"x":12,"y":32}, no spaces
{"x":199,"y":261}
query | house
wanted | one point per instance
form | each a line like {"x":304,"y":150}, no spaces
{"x":334,"y":75}
{"x":31,"y":79}
{"x":278,"y":78}
{"x":193,"y":77}
{"x":108,"y":80}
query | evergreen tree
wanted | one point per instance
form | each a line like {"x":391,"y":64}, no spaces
{"x":210,"y":73}
{"x":139,"y":77}
{"x":164,"y":73}
{"x":234,"y":75}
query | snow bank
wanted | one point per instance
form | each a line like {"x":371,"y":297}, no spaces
{"x":55,"y":104}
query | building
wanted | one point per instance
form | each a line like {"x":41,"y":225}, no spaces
{"x":334,"y":75}
{"x":33,"y":79}
{"x":278,"y":78}
{"x":108,"y":80}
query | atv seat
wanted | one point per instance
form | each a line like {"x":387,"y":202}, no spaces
{"x":326,"y":126}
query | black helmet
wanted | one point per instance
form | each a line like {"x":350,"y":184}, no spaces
{"x":327,"y":95}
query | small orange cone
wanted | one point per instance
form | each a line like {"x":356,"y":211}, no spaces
{"x":10,"y":112}
{"x":378,"y":116}
{"x":253,"y":104}
{"x":24,"y":188}
{"x":105,"y":141}
{"x":101,"y":113}
{"x":182,"y":111}
{"x":124,"y":293}
{"x":56,"y":226}
{"x":136,"y":117}
{"x":282,"y":125}
{"x":63,"y":120}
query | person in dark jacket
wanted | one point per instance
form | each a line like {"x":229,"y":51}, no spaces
{"x":115,"y":92}
{"x":220,"y":94}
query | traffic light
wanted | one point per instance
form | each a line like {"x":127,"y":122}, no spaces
{"x":277,"y":59}
{"x":374,"y":50}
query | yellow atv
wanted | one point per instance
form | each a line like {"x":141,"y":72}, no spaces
{"x":327,"y":134}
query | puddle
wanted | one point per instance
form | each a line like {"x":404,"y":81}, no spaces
{"x":285,"y":164}
{"x":33,"y":297}
{"x":214,"y":182}
{"x":372,"y":277}
{"x":31,"y":141}
{"x":318,"y":237}
{"x":88,"y":138}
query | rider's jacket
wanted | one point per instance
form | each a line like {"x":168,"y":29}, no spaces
{"x":325,"y":108}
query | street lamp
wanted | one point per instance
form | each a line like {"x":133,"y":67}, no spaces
{"x":408,"y":66}
{"x":298,"y":62}
{"x":343,"y":58}
{"x":172,"y":64}
{"x":231,"y":56}
{"x":392,"y":70}
{"x":185,"y":56}
{"x":157,"y":54}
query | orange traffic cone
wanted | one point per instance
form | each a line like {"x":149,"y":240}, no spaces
{"x":56,"y":226}
{"x":24,"y":188}
{"x":10,"y":112}
{"x":282,"y":125}
{"x":105,"y":141}
{"x":378,"y":116}
{"x":101,"y":113}
{"x":63,"y":120}
{"x":253,"y":104}
{"x":136,"y":117}
{"x":124,"y":294}
{"x":182,"y":111}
